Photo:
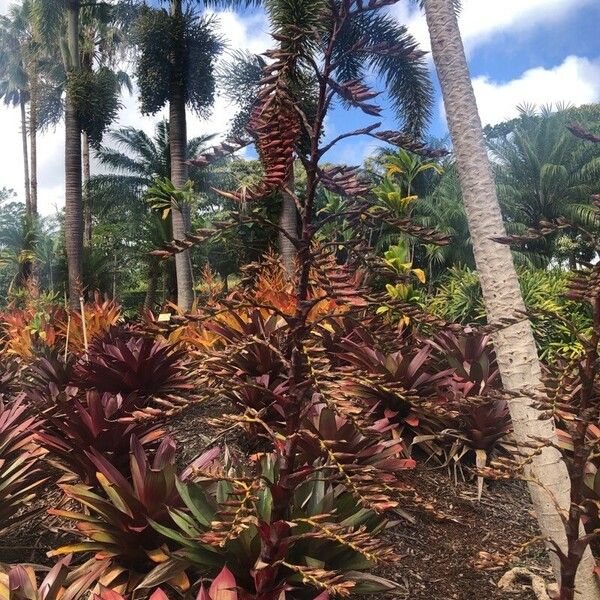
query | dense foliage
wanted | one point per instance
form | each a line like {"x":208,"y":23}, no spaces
{"x":263,"y":444}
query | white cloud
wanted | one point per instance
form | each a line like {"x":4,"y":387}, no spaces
{"x":576,"y":81}
{"x":479,"y":20}
{"x":249,"y":32}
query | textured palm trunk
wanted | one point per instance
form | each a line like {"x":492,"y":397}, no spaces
{"x":288,"y":221}
{"x":87,"y":196}
{"x":179,"y":177}
{"x":181,"y":217}
{"x":515,"y":345}
{"x":33,"y":126}
{"x":25,"y":155}
{"x":73,"y":203}
{"x":73,"y":189}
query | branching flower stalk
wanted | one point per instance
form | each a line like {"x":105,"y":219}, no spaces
{"x":277,"y":156}
{"x":322,"y":49}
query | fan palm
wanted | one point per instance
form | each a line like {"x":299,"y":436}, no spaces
{"x":134,"y":160}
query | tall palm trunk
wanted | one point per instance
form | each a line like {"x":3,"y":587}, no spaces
{"x":514,"y":344}
{"x":25,"y":154}
{"x":179,"y":176}
{"x":87,"y":196}
{"x":33,"y":126}
{"x":73,"y":189}
{"x":73,"y":203}
{"x":288,"y":221}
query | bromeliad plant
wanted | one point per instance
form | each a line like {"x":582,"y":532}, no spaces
{"x":116,"y":514}
{"x":20,"y":473}
{"x":252,"y":369}
{"x":100,"y":315}
{"x":471,"y":357}
{"x":27,"y":332}
{"x":328,"y":538}
{"x":20,"y":582}
{"x":392,"y":382}
{"x":47,"y":376}
{"x":126,"y":362}
{"x":38,"y":330}
{"x":437,"y":388}
{"x":76,"y":429}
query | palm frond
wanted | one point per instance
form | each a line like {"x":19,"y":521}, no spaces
{"x":48,"y":19}
{"x":393,"y":55}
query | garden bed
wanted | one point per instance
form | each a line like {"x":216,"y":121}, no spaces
{"x":438,"y":554}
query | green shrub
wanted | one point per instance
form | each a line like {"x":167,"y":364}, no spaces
{"x":459,"y":299}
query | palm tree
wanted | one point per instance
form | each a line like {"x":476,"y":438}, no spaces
{"x":103,"y":45}
{"x":515,"y":346}
{"x":73,"y":172}
{"x":27,"y":246}
{"x":58,"y":27}
{"x":14,"y":80}
{"x":544,"y":172}
{"x":18,"y":236}
{"x":185,"y":72}
{"x":442,"y":207}
{"x":57,"y":24}
{"x":136,"y":160}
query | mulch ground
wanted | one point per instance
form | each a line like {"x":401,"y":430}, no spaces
{"x":440,"y":554}
{"x":437,"y":553}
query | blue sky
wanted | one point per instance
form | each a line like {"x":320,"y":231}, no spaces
{"x":530,"y":51}
{"x":519,"y":51}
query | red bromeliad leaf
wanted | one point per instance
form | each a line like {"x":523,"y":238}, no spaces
{"x":224,"y":586}
{"x":413,"y":421}
{"x":202,"y":463}
{"x":159,"y":595}
{"x":22,"y":579}
{"x":203,"y":594}
{"x":105,"y":593}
